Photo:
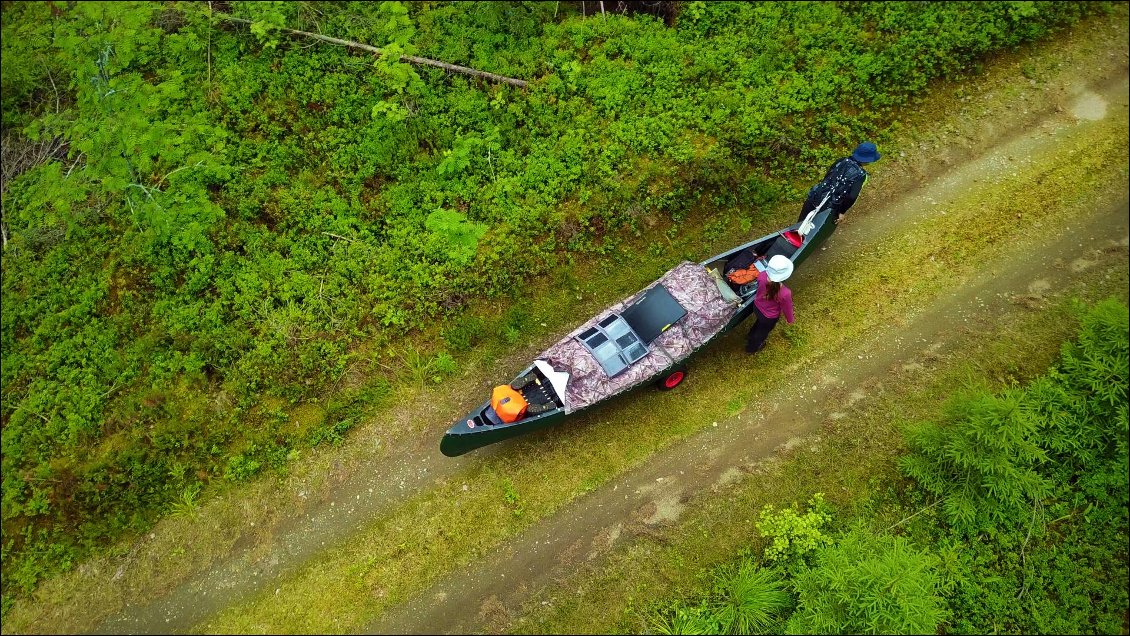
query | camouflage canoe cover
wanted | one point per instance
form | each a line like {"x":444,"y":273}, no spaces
{"x":707,"y":313}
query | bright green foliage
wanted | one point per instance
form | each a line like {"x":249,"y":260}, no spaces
{"x":986,"y":459}
{"x":983,"y":460}
{"x":1068,"y":580}
{"x":1081,"y":404}
{"x":793,"y":536}
{"x":512,"y":498}
{"x":459,"y":237}
{"x":744,"y":599}
{"x":1064,"y":570}
{"x":238,"y":214}
{"x":748,"y":599}
{"x":868,"y":584}
{"x":267,"y":18}
{"x":683,"y":619}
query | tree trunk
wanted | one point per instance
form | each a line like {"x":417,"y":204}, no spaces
{"x":423,"y":61}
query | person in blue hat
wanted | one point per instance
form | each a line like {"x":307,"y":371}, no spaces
{"x":841,"y":185}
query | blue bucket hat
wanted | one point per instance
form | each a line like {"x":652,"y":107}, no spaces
{"x":865,"y":152}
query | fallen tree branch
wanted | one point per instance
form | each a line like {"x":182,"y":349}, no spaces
{"x":195,"y":165}
{"x":455,"y":68}
{"x":914,"y":515}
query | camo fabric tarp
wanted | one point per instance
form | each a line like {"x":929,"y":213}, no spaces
{"x":707,"y":312}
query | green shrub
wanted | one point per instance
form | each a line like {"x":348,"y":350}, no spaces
{"x":1064,"y":569}
{"x":868,"y":584}
{"x":748,"y":599}
{"x":683,"y":619}
{"x":793,"y":536}
{"x":334,"y":434}
{"x":744,"y":598}
{"x":1081,"y":403}
{"x":989,"y":458}
{"x":983,"y":460}
{"x":465,"y":333}
{"x":243,"y":466}
{"x":1069,"y":581}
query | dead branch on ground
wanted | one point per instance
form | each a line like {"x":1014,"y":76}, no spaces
{"x":412,"y":59}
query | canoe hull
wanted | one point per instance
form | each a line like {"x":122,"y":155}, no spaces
{"x":461,"y":438}
{"x":471,"y":433}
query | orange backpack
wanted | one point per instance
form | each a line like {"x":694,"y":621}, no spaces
{"x":508,"y":403}
{"x":743,"y":276}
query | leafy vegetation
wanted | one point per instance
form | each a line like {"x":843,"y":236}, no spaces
{"x":236,"y":220}
{"x":983,"y":461}
{"x":855,"y":583}
{"x":793,"y":536}
{"x":1061,"y":569}
{"x":995,"y":458}
{"x":868,"y":584}
{"x":744,"y":599}
{"x":1053,"y":560}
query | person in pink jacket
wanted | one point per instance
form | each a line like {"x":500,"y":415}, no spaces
{"x":770,"y":302}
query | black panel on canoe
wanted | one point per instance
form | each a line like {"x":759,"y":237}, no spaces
{"x":653,"y":313}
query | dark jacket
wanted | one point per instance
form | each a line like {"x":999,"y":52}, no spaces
{"x":842,"y":184}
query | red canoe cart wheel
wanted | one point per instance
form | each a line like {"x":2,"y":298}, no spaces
{"x":672,"y":379}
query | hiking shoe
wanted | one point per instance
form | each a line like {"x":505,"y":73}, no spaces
{"x":538,"y":409}
{"x":521,"y":382}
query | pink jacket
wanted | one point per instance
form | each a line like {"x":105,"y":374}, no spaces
{"x":773,"y":308}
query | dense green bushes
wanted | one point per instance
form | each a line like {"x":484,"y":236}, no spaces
{"x":241,"y":216}
{"x":983,"y":461}
{"x":868,"y":584}
{"x":1058,"y":564}
{"x":995,"y":457}
{"x":1034,"y":530}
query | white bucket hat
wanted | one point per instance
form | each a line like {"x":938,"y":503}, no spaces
{"x":780,"y":268}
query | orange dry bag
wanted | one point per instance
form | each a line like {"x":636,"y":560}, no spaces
{"x":743,"y":276}
{"x":508,"y":403}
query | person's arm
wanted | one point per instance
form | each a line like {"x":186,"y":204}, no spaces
{"x":787,"y":306}
{"x":852,"y":195}
{"x":856,"y":188}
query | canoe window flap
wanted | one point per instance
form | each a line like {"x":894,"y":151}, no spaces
{"x":613,"y":343}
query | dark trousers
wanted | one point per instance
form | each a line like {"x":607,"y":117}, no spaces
{"x":759,"y":331}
